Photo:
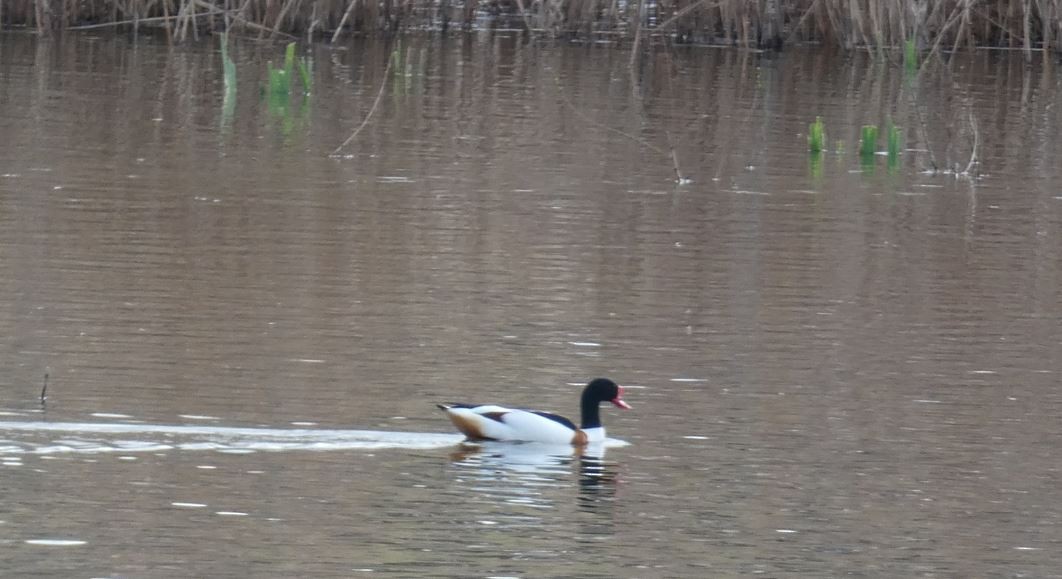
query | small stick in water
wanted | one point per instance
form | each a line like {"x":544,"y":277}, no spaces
{"x":44,"y":391}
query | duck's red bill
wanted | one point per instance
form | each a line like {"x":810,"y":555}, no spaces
{"x":621,"y":403}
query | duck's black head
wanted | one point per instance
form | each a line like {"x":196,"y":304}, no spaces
{"x":597,"y":391}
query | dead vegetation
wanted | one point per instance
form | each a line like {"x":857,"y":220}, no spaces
{"x":1028,"y":25}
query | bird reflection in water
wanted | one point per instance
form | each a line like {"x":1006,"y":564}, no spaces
{"x":598,"y":480}
{"x":526,"y":468}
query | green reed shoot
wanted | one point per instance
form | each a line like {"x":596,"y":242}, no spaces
{"x":228,"y":101}
{"x":816,"y":136}
{"x":398,"y":71}
{"x":910,"y":55}
{"x":396,"y":59}
{"x":227,"y":65}
{"x":289,"y":58}
{"x":868,"y":143}
{"x":895,"y":138}
{"x":281,"y":79}
{"x":283,"y":84}
{"x":306,"y":73}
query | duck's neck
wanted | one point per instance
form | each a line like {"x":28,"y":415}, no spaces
{"x":591,"y":412}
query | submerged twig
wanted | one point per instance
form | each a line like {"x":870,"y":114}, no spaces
{"x":375,"y":103}
{"x":976,"y":142}
{"x":44,"y":390}
{"x":679,"y":178}
{"x":674,"y":161}
{"x":670,"y":153}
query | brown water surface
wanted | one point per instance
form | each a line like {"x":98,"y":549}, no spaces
{"x":838,"y":367}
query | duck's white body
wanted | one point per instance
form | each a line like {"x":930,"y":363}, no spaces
{"x":493,"y":422}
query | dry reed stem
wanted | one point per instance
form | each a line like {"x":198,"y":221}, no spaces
{"x":214,"y":10}
{"x":280,"y":17}
{"x":637,"y":34}
{"x":166,"y":22}
{"x":1026,"y":28}
{"x":941,"y":35}
{"x":343,"y":21}
{"x":800,"y":22}
{"x":683,"y":12}
{"x":122,"y":23}
{"x":523,"y":14}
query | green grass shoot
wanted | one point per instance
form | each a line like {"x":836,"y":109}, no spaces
{"x":868,"y":143}
{"x":816,"y":136}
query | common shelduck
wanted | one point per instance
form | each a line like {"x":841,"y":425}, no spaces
{"x":492,"y":422}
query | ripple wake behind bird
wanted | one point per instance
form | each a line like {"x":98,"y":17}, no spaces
{"x":18,"y":437}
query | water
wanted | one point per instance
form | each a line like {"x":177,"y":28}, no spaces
{"x":836,"y":367}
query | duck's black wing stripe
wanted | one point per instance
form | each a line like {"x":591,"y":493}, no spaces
{"x":557,"y":418}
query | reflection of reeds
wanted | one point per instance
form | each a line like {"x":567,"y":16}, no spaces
{"x":895,"y":138}
{"x":816,"y":136}
{"x":911,"y":24}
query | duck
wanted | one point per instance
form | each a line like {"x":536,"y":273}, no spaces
{"x":479,"y":422}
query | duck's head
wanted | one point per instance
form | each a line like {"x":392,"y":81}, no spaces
{"x":604,"y":390}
